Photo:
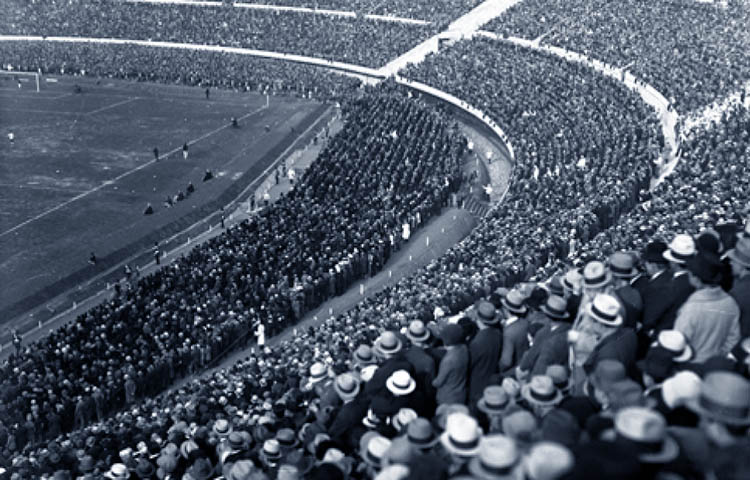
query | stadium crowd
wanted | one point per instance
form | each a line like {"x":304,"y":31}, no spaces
{"x":187,"y":67}
{"x":341,"y":222}
{"x":693,"y":52}
{"x":352,"y":40}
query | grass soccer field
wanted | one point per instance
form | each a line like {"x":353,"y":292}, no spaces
{"x":80,"y":170}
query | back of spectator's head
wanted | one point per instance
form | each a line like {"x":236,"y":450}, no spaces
{"x":654,"y":252}
{"x":562,"y":427}
{"x":704,"y":267}
{"x":709,"y":241}
{"x":451,"y":335}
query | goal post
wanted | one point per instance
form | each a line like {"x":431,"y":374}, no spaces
{"x":19,"y":74}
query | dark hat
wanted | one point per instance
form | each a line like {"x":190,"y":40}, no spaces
{"x":556,"y":308}
{"x":708,"y":241}
{"x":145,"y":469}
{"x":705,"y":266}
{"x":486,"y":313}
{"x":451,"y":334}
{"x":658,"y":363}
{"x":599,"y":459}
{"x":654,"y":252}
{"x":562,"y":427}
{"x":201,"y":469}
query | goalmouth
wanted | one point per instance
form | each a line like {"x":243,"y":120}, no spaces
{"x":21,"y":77}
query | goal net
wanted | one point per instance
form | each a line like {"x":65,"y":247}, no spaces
{"x":21,"y":79}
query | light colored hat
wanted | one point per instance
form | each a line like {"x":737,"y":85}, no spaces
{"x":222,"y":428}
{"x":387,"y":344}
{"x":596,"y":275}
{"x":622,"y":265}
{"x":555,"y":307}
{"x":646,"y":429}
{"x":541,"y":391}
{"x":497,"y":459}
{"x":741,"y":252}
{"x":724,"y":397}
{"x":680,"y":249}
{"x":572,"y":281}
{"x":363,"y":356}
{"x":318,"y":372}
{"x":346,"y":386}
{"x":487,"y":314}
{"x":674,"y":341}
{"x":548,"y":461}
{"x":376,"y":448}
{"x":419,"y":432}
{"x":402,"y":419}
{"x":605,"y":309}
{"x":461,"y":436}
{"x":511,"y":387}
{"x":445,"y":410}
{"x":400,"y":383}
{"x":272,"y":449}
{"x":494,"y":400}
{"x":681,"y":388}
{"x":367,"y":372}
{"x":118,"y":471}
{"x":513,"y":301}
{"x":520,"y":425}
{"x":393,"y":472}
{"x":560,"y":377}
{"x":417,"y":332}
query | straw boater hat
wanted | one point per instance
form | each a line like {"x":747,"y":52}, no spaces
{"x":222,"y":428}
{"x":118,"y":471}
{"x":548,"y":461}
{"x":363,"y":356}
{"x":402,"y":419}
{"x":445,"y":410}
{"x":271,"y":450}
{"x":497,"y":459}
{"x":555,"y":286}
{"x":680,"y":249}
{"x":417,"y":332}
{"x":486,"y":313}
{"x":420,"y":434}
{"x":318,"y":372}
{"x":374,"y":450}
{"x":605,"y":309}
{"x":555,"y":308}
{"x":741,"y":252}
{"x":622,"y":265}
{"x":724,"y":397}
{"x":675,"y":343}
{"x":400,"y":383}
{"x":541,"y":391}
{"x":387,"y":344}
{"x":596,"y":275}
{"x":572,"y":281}
{"x":494,"y":400}
{"x":646,"y":430}
{"x":461,"y":436}
{"x":346,"y":386}
{"x":513,"y":301}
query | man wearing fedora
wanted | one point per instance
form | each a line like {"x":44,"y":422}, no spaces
{"x":739,"y":259}
{"x":709,"y":319}
{"x":484,"y":350}
{"x":515,"y":330}
{"x":661,"y":309}
{"x":622,"y":267}
{"x":550,"y":344}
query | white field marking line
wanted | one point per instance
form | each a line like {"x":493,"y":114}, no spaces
{"x":114,"y":105}
{"x":125,"y":174}
{"x":34,"y":110}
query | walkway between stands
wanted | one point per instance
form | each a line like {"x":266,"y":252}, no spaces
{"x":712,"y":113}
{"x":462,"y":27}
{"x":285,"y":8}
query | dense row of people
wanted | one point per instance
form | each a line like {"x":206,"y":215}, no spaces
{"x":693,"y":52}
{"x":187,"y":67}
{"x":352,"y":40}
{"x":627,"y":368}
{"x":395,"y":162}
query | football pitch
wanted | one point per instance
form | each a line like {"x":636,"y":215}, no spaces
{"x":81,"y":169}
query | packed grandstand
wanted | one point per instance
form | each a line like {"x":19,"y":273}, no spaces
{"x":594,"y":324}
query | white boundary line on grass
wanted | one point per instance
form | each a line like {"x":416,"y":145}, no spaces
{"x":125,"y":174}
